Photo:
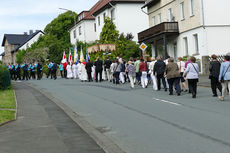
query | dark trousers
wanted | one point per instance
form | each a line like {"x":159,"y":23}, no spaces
{"x":25,"y":75}
{"x":138,"y":76}
{"x":117,"y":74}
{"x":62,"y":76}
{"x":89,"y":76}
{"x":159,"y":78}
{"x":54,"y":74}
{"x":12,"y":75}
{"x":33,"y":75}
{"x":49,"y":73}
{"x":65,"y":73}
{"x":100,"y":73}
{"x":39,"y":75}
{"x":30,"y":74}
{"x":215,"y":84}
{"x":176,"y":82}
{"x":17,"y":75}
{"x":192,"y":85}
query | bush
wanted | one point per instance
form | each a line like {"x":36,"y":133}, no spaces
{"x":5,"y":81}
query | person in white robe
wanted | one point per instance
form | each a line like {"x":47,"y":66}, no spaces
{"x":83,"y":72}
{"x":79,"y":70}
{"x":75,"y":71}
{"x":69,"y":72}
{"x":154,"y":78}
{"x":93,"y":72}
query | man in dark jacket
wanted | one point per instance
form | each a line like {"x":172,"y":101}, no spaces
{"x":98,"y":64}
{"x":25,"y":71}
{"x":54,"y":71}
{"x":108,"y":63}
{"x":159,"y":69}
{"x":88,"y":68}
{"x":17,"y":72}
{"x":214,"y":74}
{"x":38,"y":70}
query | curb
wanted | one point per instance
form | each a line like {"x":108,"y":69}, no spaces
{"x":15,"y":114}
{"x":103,"y":141}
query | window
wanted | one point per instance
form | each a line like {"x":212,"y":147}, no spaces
{"x":159,"y":18}
{"x":113,"y":14}
{"x":196,"y":43}
{"x":95,"y":27}
{"x":154,"y":21}
{"x":79,"y":30}
{"x":182,"y":10}
{"x":74,"y":34}
{"x":99,"y":22}
{"x":104,"y":16}
{"x":191,"y":7}
{"x":171,"y":18}
{"x":186,"y":45}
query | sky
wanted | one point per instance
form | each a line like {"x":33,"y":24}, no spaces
{"x":19,"y":16}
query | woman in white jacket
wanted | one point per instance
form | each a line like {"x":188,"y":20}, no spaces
{"x":192,"y":74}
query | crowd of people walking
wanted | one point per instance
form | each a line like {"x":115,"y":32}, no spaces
{"x":137,"y":71}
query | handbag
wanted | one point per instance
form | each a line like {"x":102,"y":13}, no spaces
{"x":222,"y":78}
{"x":196,"y":71}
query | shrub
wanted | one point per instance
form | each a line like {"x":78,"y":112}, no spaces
{"x":5,"y":81}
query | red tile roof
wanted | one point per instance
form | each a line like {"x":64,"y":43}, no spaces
{"x":102,"y":3}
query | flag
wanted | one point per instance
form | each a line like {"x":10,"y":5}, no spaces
{"x":70,"y":57}
{"x":64,"y":58}
{"x":76,"y":59}
{"x":81,"y":56}
{"x":87,"y":55}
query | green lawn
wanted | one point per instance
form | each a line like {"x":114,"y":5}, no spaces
{"x":7,"y":101}
{"x":6,"y":115}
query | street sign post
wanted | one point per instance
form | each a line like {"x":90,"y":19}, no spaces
{"x":143,"y":47}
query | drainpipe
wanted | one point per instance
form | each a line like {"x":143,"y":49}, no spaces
{"x":202,"y":9}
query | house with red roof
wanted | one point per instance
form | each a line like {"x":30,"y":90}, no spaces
{"x":126,"y":14}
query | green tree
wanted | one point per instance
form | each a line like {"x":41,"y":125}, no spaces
{"x":54,"y":42}
{"x":109,"y":33}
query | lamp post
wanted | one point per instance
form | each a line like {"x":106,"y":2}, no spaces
{"x":72,"y":14}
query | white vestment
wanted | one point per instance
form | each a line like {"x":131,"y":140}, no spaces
{"x":75,"y":71}
{"x":83,"y":73}
{"x":69,"y":72}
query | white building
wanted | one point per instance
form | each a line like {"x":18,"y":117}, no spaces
{"x":84,"y":29}
{"x":32,"y":38}
{"x":14,"y":42}
{"x":188,"y":27}
{"x":126,"y":14}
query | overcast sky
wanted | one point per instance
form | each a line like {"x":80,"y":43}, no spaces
{"x":19,"y":16}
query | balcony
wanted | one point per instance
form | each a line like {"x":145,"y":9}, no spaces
{"x":167,"y":28}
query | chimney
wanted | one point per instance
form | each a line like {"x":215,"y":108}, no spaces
{"x":31,"y":32}
{"x":25,"y":33}
{"x":37,"y":30}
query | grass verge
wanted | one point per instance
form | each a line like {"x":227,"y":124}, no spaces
{"x":7,"y":105}
{"x":7,"y":99}
{"x":6,"y":115}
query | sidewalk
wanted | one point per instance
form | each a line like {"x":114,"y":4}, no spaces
{"x":204,"y":81}
{"x":42,"y":127}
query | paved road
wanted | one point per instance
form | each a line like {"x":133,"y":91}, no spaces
{"x":42,"y":127}
{"x":147,"y":121}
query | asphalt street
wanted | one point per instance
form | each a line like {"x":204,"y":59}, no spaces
{"x":147,"y":121}
{"x":43,"y":127}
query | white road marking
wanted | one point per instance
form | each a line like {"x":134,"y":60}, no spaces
{"x":168,"y":102}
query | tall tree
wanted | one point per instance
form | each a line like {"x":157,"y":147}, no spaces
{"x":109,"y":33}
{"x":55,"y":40}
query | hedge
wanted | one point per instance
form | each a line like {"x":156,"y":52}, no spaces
{"x":5,"y":80}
